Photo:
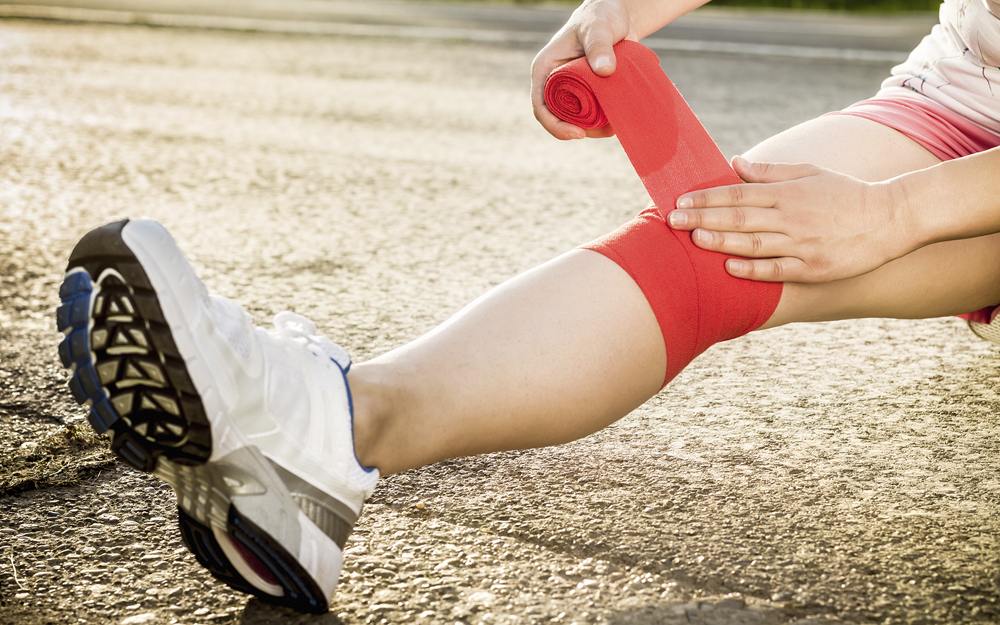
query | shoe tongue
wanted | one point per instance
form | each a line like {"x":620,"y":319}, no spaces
{"x":297,"y":328}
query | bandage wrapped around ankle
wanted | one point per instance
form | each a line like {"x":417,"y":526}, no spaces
{"x":696,"y":303}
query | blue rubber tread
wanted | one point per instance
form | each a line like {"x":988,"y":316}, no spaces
{"x":127,"y":311}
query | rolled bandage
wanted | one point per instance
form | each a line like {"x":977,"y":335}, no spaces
{"x":696,"y":303}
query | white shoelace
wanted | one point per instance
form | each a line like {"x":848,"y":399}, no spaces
{"x":302,"y":330}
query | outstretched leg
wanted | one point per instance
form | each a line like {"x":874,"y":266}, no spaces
{"x":272,"y":453}
{"x":568,"y":348}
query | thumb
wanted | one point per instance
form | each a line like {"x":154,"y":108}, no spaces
{"x":598,"y":42}
{"x":771,"y":172}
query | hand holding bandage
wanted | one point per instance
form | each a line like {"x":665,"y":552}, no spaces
{"x":669,"y":148}
{"x":695,"y":301}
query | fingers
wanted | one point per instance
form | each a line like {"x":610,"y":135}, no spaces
{"x":757,"y":192}
{"x":558,"y":128}
{"x":563,"y":48}
{"x":726,"y":219}
{"x":762,"y":253}
{"x":602,"y":132}
{"x":770,"y":270}
{"x":749,"y":244}
{"x":756,"y":195}
{"x":771,"y":172}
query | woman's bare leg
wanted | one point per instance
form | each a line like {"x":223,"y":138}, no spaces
{"x":552,"y":355}
{"x":569,"y":347}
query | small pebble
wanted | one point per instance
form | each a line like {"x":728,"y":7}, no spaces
{"x":421,"y":506}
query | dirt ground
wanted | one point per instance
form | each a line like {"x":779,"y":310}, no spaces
{"x":817,"y":473}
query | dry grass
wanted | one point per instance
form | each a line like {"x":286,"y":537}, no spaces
{"x":63,"y":457}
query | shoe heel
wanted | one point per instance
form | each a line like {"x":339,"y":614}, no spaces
{"x":260,"y":555}
{"x":123,"y":359}
{"x":201,"y":541}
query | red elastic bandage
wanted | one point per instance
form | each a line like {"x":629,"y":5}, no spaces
{"x":696,"y":303}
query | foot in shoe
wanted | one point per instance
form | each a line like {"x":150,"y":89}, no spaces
{"x":252,"y":428}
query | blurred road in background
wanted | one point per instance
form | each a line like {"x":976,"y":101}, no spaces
{"x":823,"y":35}
{"x":377,"y":182}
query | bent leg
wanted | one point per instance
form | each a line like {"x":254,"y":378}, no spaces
{"x":938,"y":280}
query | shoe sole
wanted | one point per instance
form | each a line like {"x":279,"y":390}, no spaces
{"x":126,"y":366}
{"x":986,"y":331}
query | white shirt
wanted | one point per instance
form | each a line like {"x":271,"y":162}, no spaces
{"x":958,"y":64}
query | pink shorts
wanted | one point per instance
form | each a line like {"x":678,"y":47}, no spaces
{"x":944,"y":133}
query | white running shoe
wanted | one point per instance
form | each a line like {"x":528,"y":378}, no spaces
{"x":252,"y":428}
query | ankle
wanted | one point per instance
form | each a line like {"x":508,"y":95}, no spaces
{"x":370,"y":399}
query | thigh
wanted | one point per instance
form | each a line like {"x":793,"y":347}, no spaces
{"x":941,"y":279}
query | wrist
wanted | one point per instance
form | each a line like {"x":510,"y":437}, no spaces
{"x":646,"y":17}
{"x":908,"y":230}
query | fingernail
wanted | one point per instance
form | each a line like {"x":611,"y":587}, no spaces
{"x":703,"y":235}
{"x":735,"y":266}
{"x":685,"y":202}
{"x":601,"y":61}
{"x":677,"y":220}
{"x":740,"y":160}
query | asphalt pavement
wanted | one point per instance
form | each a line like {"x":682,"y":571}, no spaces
{"x":815,"y":473}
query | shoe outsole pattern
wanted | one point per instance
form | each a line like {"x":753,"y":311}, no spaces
{"x":126,"y":367}
{"x":986,"y":331}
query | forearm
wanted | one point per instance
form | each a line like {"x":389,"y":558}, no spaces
{"x":648,"y":16}
{"x":957,"y":199}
